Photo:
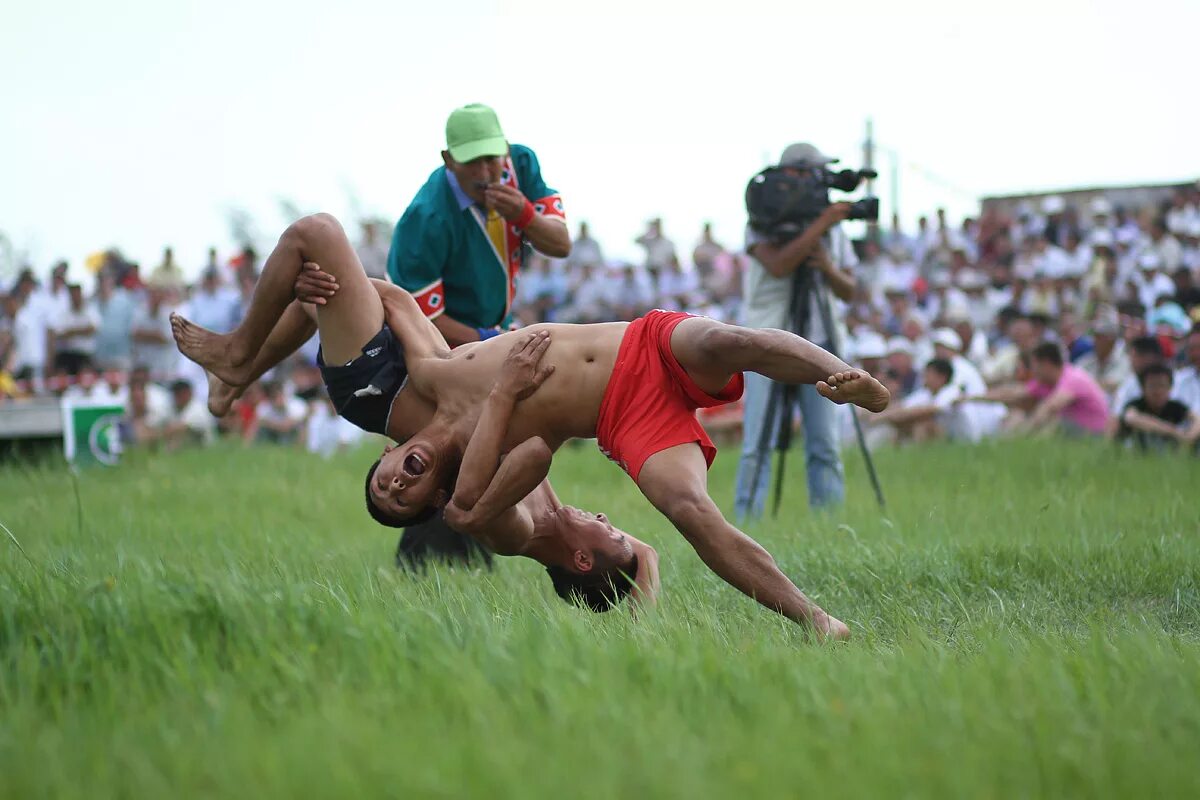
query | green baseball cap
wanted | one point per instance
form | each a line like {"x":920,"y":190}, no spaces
{"x":474,"y":132}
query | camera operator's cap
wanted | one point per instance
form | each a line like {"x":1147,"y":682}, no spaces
{"x":473,"y":132}
{"x":803,"y":152}
{"x":948,"y":339}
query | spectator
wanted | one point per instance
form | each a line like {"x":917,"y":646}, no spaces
{"x":928,"y":413}
{"x":1143,"y":351}
{"x":901,"y":365}
{"x":660,"y":251}
{"x":585,"y":252}
{"x":187,"y":420}
{"x":373,"y":249}
{"x":213,"y":305}
{"x":1151,"y":283}
{"x":1154,"y":421}
{"x":1187,"y":293}
{"x":1073,"y":338}
{"x":1187,"y":380}
{"x":705,"y":254}
{"x":279,"y":418}
{"x":75,"y":333}
{"x":1164,"y":245}
{"x":29,"y":336}
{"x":168,"y":274}
{"x":1107,"y":363}
{"x":1065,"y":397}
{"x":153,"y":345}
{"x":633,"y":294}
{"x":678,"y":290}
{"x":115,"y":309}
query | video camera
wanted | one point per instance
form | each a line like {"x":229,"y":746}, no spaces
{"x":784,"y":200}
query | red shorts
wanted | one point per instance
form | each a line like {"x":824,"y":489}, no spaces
{"x":650,"y":403}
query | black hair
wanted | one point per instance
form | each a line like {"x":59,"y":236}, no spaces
{"x":1146,"y":346}
{"x":391,"y":520}
{"x":1038,"y":318}
{"x":1155,"y":369}
{"x":180,"y":385}
{"x":598,"y":592}
{"x":942,"y":367}
{"x":1048,"y":351}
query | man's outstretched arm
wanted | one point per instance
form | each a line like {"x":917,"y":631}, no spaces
{"x":674,"y":481}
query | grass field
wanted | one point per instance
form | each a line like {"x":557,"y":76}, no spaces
{"x":228,"y":623}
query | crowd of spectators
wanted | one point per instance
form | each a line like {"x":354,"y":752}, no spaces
{"x":114,"y":345}
{"x":1077,"y":319}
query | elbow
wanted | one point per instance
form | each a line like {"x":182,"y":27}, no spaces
{"x":559,"y":247}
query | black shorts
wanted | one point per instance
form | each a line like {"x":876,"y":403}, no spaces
{"x":363,"y":390}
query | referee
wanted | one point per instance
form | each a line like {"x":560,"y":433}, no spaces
{"x":458,"y":249}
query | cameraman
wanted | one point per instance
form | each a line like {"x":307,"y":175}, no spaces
{"x":767,"y":303}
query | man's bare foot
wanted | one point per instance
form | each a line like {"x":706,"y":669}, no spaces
{"x":857,"y":387}
{"x":210,"y":350}
{"x":830,"y":628}
{"x":221,"y":395}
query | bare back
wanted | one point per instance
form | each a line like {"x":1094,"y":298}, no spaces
{"x":565,"y":407}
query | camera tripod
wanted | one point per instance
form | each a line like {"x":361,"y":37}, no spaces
{"x":785,"y":398}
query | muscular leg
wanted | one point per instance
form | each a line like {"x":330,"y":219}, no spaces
{"x":295,"y":327}
{"x":712,"y":352}
{"x":347,"y":321}
{"x":675,"y":481}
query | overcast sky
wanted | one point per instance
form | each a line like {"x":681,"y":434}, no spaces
{"x":142,"y":123}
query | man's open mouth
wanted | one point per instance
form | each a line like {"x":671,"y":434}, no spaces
{"x":414,"y":465}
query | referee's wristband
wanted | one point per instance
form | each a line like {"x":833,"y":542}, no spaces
{"x":527,"y":215}
{"x":487,"y":333}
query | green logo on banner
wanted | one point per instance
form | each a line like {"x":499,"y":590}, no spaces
{"x":92,"y":432}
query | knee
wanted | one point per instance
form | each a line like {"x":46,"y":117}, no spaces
{"x":721,"y":343}
{"x":313,"y":230}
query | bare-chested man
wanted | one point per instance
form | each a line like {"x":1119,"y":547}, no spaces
{"x":634,"y":386}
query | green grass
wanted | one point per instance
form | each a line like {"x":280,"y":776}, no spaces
{"x":227,"y":623}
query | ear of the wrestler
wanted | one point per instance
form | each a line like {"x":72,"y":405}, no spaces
{"x":582,"y":562}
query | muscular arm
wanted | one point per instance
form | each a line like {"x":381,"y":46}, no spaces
{"x":419,"y":337}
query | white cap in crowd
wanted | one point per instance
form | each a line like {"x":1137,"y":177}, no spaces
{"x":899,"y":344}
{"x":948,"y":338}
{"x":1149,"y":261}
{"x":1053,"y":205}
{"x":1102,"y":237}
{"x":1101,"y":207}
{"x":870,"y":344}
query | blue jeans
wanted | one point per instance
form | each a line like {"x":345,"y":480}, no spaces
{"x":822,"y":458}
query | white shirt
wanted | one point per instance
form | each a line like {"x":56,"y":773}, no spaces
{"x":1187,"y":388}
{"x":68,"y":319}
{"x":161,"y":359}
{"x":1129,"y":390}
{"x":197,"y":419}
{"x":29,"y":337}
{"x":214,"y":310}
{"x":294,"y":410}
